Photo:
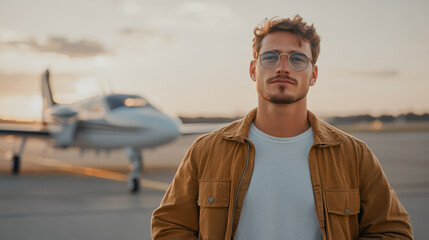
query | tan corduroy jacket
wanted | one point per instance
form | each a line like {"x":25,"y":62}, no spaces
{"x":352,"y":196}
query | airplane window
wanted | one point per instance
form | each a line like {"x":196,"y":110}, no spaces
{"x":135,"y":102}
{"x":115,"y":101}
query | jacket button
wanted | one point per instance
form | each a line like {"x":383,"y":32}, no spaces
{"x":211,"y":200}
{"x":347,"y":211}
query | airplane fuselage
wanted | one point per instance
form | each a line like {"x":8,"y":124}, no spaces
{"x":98,"y":123}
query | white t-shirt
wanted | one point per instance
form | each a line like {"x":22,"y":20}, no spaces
{"x":279,"y":203}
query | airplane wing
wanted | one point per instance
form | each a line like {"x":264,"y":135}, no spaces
{"x":199,"y":128}
{"x":24,"y":130}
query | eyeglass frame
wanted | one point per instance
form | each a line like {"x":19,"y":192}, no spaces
{"x":288,"y":59}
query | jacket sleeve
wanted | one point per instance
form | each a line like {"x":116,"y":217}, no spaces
{"x":382,"y":216}
{"x":177,"y":216}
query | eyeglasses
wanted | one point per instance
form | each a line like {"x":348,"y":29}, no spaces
{"x":297,"y":60}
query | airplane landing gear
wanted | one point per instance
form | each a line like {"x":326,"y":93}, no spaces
{"x":16,"y":164}
{"x":134,"y":185}
{"x":16,"y":159}
{"x":136,"y":159}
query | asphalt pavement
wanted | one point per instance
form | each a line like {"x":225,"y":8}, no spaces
{"x":69,"y":194}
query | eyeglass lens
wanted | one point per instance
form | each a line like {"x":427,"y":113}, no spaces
{"x":298,"y":61}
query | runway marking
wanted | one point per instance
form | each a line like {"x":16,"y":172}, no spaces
{"x":99,"y":173}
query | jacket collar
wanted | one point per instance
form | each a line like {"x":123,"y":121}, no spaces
{"x":323,"y":133}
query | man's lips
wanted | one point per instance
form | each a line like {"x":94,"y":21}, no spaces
{"x":278,"y":79}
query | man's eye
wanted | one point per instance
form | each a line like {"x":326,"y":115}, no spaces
{"x":269,"y":58}
{"x":297,"y":59}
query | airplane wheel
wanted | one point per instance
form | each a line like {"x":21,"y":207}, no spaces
{"x":16,"y":163}
{"x":134,"y":185}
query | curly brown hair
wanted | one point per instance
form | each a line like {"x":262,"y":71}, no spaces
{"x":295,"y":26}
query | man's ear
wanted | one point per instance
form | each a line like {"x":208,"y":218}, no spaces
{"x":314,"y":75}
{"x":252,"y":70}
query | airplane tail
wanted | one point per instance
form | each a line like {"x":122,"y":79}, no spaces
{"x":48,"y":99}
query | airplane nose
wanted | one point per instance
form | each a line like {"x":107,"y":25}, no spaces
{"x":172,"y":127}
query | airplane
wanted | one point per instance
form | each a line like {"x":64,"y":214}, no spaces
{"x":110,"y":121}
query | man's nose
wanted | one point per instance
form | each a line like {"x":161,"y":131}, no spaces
{"x":283,"y":68}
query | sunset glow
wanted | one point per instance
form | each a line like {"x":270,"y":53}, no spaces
{"x":192,"y":57}
{"x":10,"y":106}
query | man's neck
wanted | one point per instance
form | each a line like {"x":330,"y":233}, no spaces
{"x":282,"y":120}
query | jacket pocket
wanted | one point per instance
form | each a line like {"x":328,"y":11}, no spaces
{"x":214,"y":193}
{"x":342,"y":201}
{"x":342,"y":207}
{"x":213,"y":201}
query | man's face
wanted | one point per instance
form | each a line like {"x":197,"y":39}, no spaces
{"x":282,"y":84}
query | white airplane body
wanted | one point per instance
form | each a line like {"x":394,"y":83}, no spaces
{"x":124,"y":126}
{"x":105,"y":122}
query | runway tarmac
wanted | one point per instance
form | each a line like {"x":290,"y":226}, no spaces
{"x":63,"y":195}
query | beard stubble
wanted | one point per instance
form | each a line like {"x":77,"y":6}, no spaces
{"x":282,"y":97}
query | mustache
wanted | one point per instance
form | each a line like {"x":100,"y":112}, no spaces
{"x":271,"y":79}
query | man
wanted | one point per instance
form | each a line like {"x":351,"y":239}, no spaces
{"x":281,"y":173}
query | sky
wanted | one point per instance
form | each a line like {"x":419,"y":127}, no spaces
{"x":192,"y":57}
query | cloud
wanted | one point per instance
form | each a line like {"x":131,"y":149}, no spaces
{"x":143,"y":33}
{"x":60,"y":45}
{"x":131,"y":7}
{"x":128,"y":7}
{"x":209,"y":13}
{"x":386,"y":73}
